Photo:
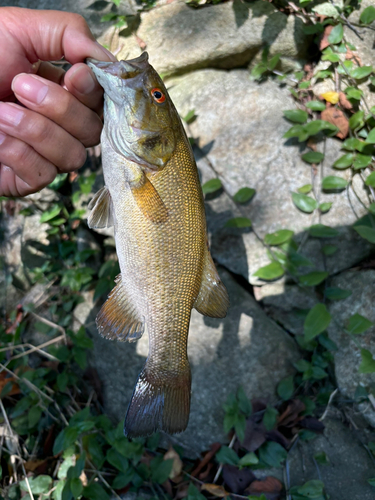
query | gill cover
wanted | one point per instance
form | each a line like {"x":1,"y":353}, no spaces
{"x":140,"y":116}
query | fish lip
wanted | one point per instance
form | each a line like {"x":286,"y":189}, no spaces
{"x":122,"y":69}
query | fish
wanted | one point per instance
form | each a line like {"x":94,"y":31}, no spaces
{"x":153,"y":198}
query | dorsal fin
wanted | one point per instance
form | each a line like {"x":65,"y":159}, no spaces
{"x":118,"y":319}
{"x":101,"y":210}
{"x":213,"y":297}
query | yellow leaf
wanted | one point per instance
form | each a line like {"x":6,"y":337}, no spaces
{"x":215,"y":489}
{"x":177,"y":463}
{"x":332,"y":97}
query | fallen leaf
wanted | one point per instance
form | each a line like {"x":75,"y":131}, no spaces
{"x":6,"y":379}
{"x":215,"y":447}
{"x":337,"y":117}
{"x":353,"y":56}
{"x":324,"y":43}
{"x":19,"y":315}
{"x":215,"y":489}
{"x":278,"y":437}
{"x":270,"y":486}
{"x":177,"y":463}
{"x":344,"y":102}
{"x":73,"y":176}
{"x":237,"y":480}
{"x":312,"y":424}
{"x":142,"y":44}
{"x":33,"y":464}
{"x":332,"y":97}
{"x":255,"y":435}
{"x":290,"y":416}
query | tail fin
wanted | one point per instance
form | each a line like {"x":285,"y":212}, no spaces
{"x":160,"y":401}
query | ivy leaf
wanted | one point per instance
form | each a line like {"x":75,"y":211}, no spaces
{"x":324,"y":207}
{"x":270,"y":272}
{"x":227,"y":456}
{"x":362,"y":161}
{"x":316,"y":322}
{"x":367,"y":15}
{"x":315,"y":105}
{"x":344,"y":161}
{"x":305,"y":189}
{"x":358,"y":324}
{"x":285,"y":388}
{"x":296,"y":115}
{"x":270,"y":418}
{"x":370,"y":180}
{"x":248,"y":460}
{"x":334,"y":182}
{"x":211,"y":186}
{"x":278,"y":237}
{"x":304,"y":202}
{"x":367,"y":233}
{"x":368,"y":362}
{"x":243,"y":195}
{"x":313,"y":157}
{"x":356,"y":120}
{"x":322,"y":231}
{"x":336,"y":34}
{"x":313,"y":278}
{"x":312,"y":489}
{"x":239,"y":222}
{"x":361,"y":72}
{"x":273,"y":454}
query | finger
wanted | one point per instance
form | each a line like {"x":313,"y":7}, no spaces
{"x":57,"y":104}
{"x":50,"y":72}
{"x":44,"y":136}
{"x":81,"y":82}
{"x":23,"y":170}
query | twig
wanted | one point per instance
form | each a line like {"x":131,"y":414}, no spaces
{"x":333,"y":394}
{"x":39,"y":349}
{"x":221,"y":465}
{"x":49,"y":323}
{"x":103,"y":480}
{"x":235,"y":495}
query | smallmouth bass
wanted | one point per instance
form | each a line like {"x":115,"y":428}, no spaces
{"x":152,"y":196}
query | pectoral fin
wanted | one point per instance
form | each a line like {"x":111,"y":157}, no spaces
{"x":101,"y":210}
{"x":213,"y":297}
{"x":118,"y":319}
{"x":149,"y":201}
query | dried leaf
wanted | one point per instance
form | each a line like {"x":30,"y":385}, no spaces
{"x":290,"y":416}
{"x":324,"y":43}
{"x":177,"y":463}
{"x":215,"y":489}
{"x":337,"y":118}
{"x":271,"y":486}
{"x":255,"y":435}
{"x":332,"y":97}
{"x":215,"y":447}
{"x":237,"y":480}
{"x":312,"y":424}
{"x":12,"y":389}
{"x":33,"y":464}
{"x":344,"y":102}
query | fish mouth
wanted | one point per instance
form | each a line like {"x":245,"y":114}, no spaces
{"x":125,"y":70}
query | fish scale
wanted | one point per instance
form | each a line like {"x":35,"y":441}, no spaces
{"x":153,"y":197}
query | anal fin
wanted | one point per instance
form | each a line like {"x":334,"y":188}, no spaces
{"x":213,"y":297}
{"x":118,"y":319}
{"x":101,"y":210}
{"x":149,"y":202}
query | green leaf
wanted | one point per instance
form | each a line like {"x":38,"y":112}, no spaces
{"x":329,"y":249}
{"x":334,"y":182}
{"x":326,"y":9}
{"x":296,"y":115}
{"x":50,"y":214}
{"x":361,"y":72}
{"x":295,"y":131}
{"x":336,"y":34}
{"x":312,"y":489}
{"x":322,"y":231}
{"x":314,"y":127}
{"x":367,"y":233}
{"x":248,"y":460}
{"x":34,"y":416}
{"x":344,"y":161}
{"x":160,"y":469}
{"x":65,"y":439}
{"x":370,"y":180}
{"x":302,"y":365}
{"x":324,"y":207}
{"x":353,"y":93}
{"x":38,"y":485}
{"x":243,"y":195}
{"x":313,"y":278}
{"x":330,"y":56}
{"x":332,"y":293}
{"x":358,"y":324}
{"x":76,"y":487}
{"x":270,"y":418}
{"x":316,"y":105}
{"x":194,"y":494}
{"x":371,"y":208}
{"x":227,"y":456}
{"x":357,"y":120}
{"x":367,"y":15}
{"x":211,"y":186}
{"x":305,"y":189}
{"x":368,"y":362}
{"x":117,"y":460}
{"x":304,"y":202}
{"x":239,"y":222}
{"x":285,"y":388}
{"x":362,"y":161}
{"x":316,"y":322}
{"x":95,"y":492}
{"x":371,"y":481}
{"x":371,"y":137}
{"x":272,"y":63}
{"x":190,"y":117}
{"x":243,"y":402}
{"x":313,"y":157}
{"x":278,"y":237}
{"x":273,"y":454}
{"x":270,"y":272}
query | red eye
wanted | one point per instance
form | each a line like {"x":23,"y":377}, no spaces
{"x":158,"y":95}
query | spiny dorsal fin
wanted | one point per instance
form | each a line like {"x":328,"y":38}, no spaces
{"x":118,"y":319}
{"x":149,"y":202}
{"x":213,"y":297}
{"x":101,"y":210}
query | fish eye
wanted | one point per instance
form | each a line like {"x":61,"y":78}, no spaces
{"x":158,"y":95}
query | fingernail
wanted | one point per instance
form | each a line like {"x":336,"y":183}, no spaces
{"x":82,"y":80}
{"x":2,"y":137}
{"x":106,"y":52}
{"x":29,"y":87}
{"x":10,"y":114}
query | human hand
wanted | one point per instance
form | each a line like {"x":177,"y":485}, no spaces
{"x":60,"y":112}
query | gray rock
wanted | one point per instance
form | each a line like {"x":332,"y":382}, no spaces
{"x":180,"y":38}
{"x":348,"y":355}
{"x":240,"y":128}
{"x":345,"y":477}
{"x":246,"y":348}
